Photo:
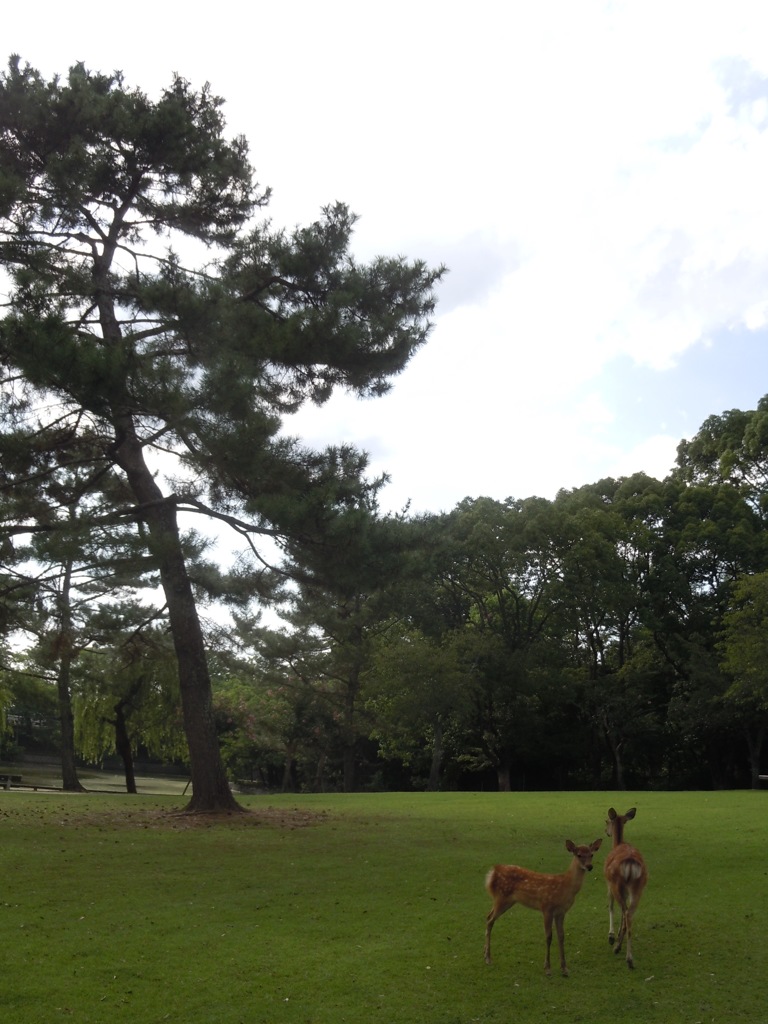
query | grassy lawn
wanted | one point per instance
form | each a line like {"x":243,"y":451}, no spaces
{"x":370,"y":908}
{"x":95,"y":780}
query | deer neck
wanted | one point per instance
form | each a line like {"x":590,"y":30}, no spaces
{"x":576,"y":875}
{"x":618,"y":833}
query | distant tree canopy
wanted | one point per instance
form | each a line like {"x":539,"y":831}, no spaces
{"x":607,"y":638}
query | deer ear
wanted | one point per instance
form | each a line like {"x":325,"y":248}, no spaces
{"x":597,"y":844}
{"x":612,"y":813}
{"x":569,"y":845}
{"x":631,"y":813}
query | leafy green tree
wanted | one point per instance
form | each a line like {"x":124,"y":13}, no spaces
{"x":744,"y":651}
{"x":28,"y":709}
{"x":731,"y":448}
{"x":125,"y":689}
{"x":608,"y":535}
{"x":501,"y":565}
{"x":715,"y":534}
{"x":74,"y":557}
{"x":346,"y":567}
{"x":417,"y":689}
{"x":244,"y":722}
{"x":106,"y":200}
{"x":277,"y":714}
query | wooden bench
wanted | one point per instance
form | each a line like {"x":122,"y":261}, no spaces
{"x":6,"y":781}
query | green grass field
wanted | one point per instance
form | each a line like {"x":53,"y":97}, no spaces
{"x":370,"y":908}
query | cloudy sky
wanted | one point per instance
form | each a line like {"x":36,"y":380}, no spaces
{"x":593,"y":174}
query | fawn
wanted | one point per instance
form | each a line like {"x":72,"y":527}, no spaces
{"x":553,"y":895}
{"x":626,"y":875}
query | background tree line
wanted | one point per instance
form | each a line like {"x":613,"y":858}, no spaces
{"x":155,"y":336}
{"x":613,"y":636}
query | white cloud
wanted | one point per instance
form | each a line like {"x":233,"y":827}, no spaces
{"x":593,"y":173}
{"x":654,"y":456}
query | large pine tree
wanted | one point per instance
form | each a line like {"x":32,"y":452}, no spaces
{"x":115,"y":329}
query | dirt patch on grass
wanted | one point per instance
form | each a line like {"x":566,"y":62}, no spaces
{"x":271,"y":817}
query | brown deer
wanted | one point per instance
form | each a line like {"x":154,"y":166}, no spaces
{"x":553,"y":895}
{"x":626,"y":875}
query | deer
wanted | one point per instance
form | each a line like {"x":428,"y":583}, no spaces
{"x":553,"y":895}
{"x":626,"y":875}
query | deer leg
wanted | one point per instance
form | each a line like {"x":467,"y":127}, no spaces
{"x":622,"y":927}
{"x":488,"y":925}
{"x":630,"y":961}
{"x":548,"y":939}
{"x":493,"y":915}
{"x":611,"y":933}
{"x":560,"y":925}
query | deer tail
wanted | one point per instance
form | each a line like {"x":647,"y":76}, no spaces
{"x":631,"y":870}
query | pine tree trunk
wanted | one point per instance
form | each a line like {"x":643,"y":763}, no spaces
{"x":123,"y":747}
{"x":319,"y":783}
{"x":210,"y":787}
{"x":615,"y":746}
{"x":350,"y":733}
{"x":437,"y":757}
{"x":350,"y":773}
{"x":69,"y":780}
{"x":618,"y":764}
{"x":288,"y":784}
{"x":755,"y":748}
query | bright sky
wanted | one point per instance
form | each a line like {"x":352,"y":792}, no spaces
{"x":593,"y":173}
